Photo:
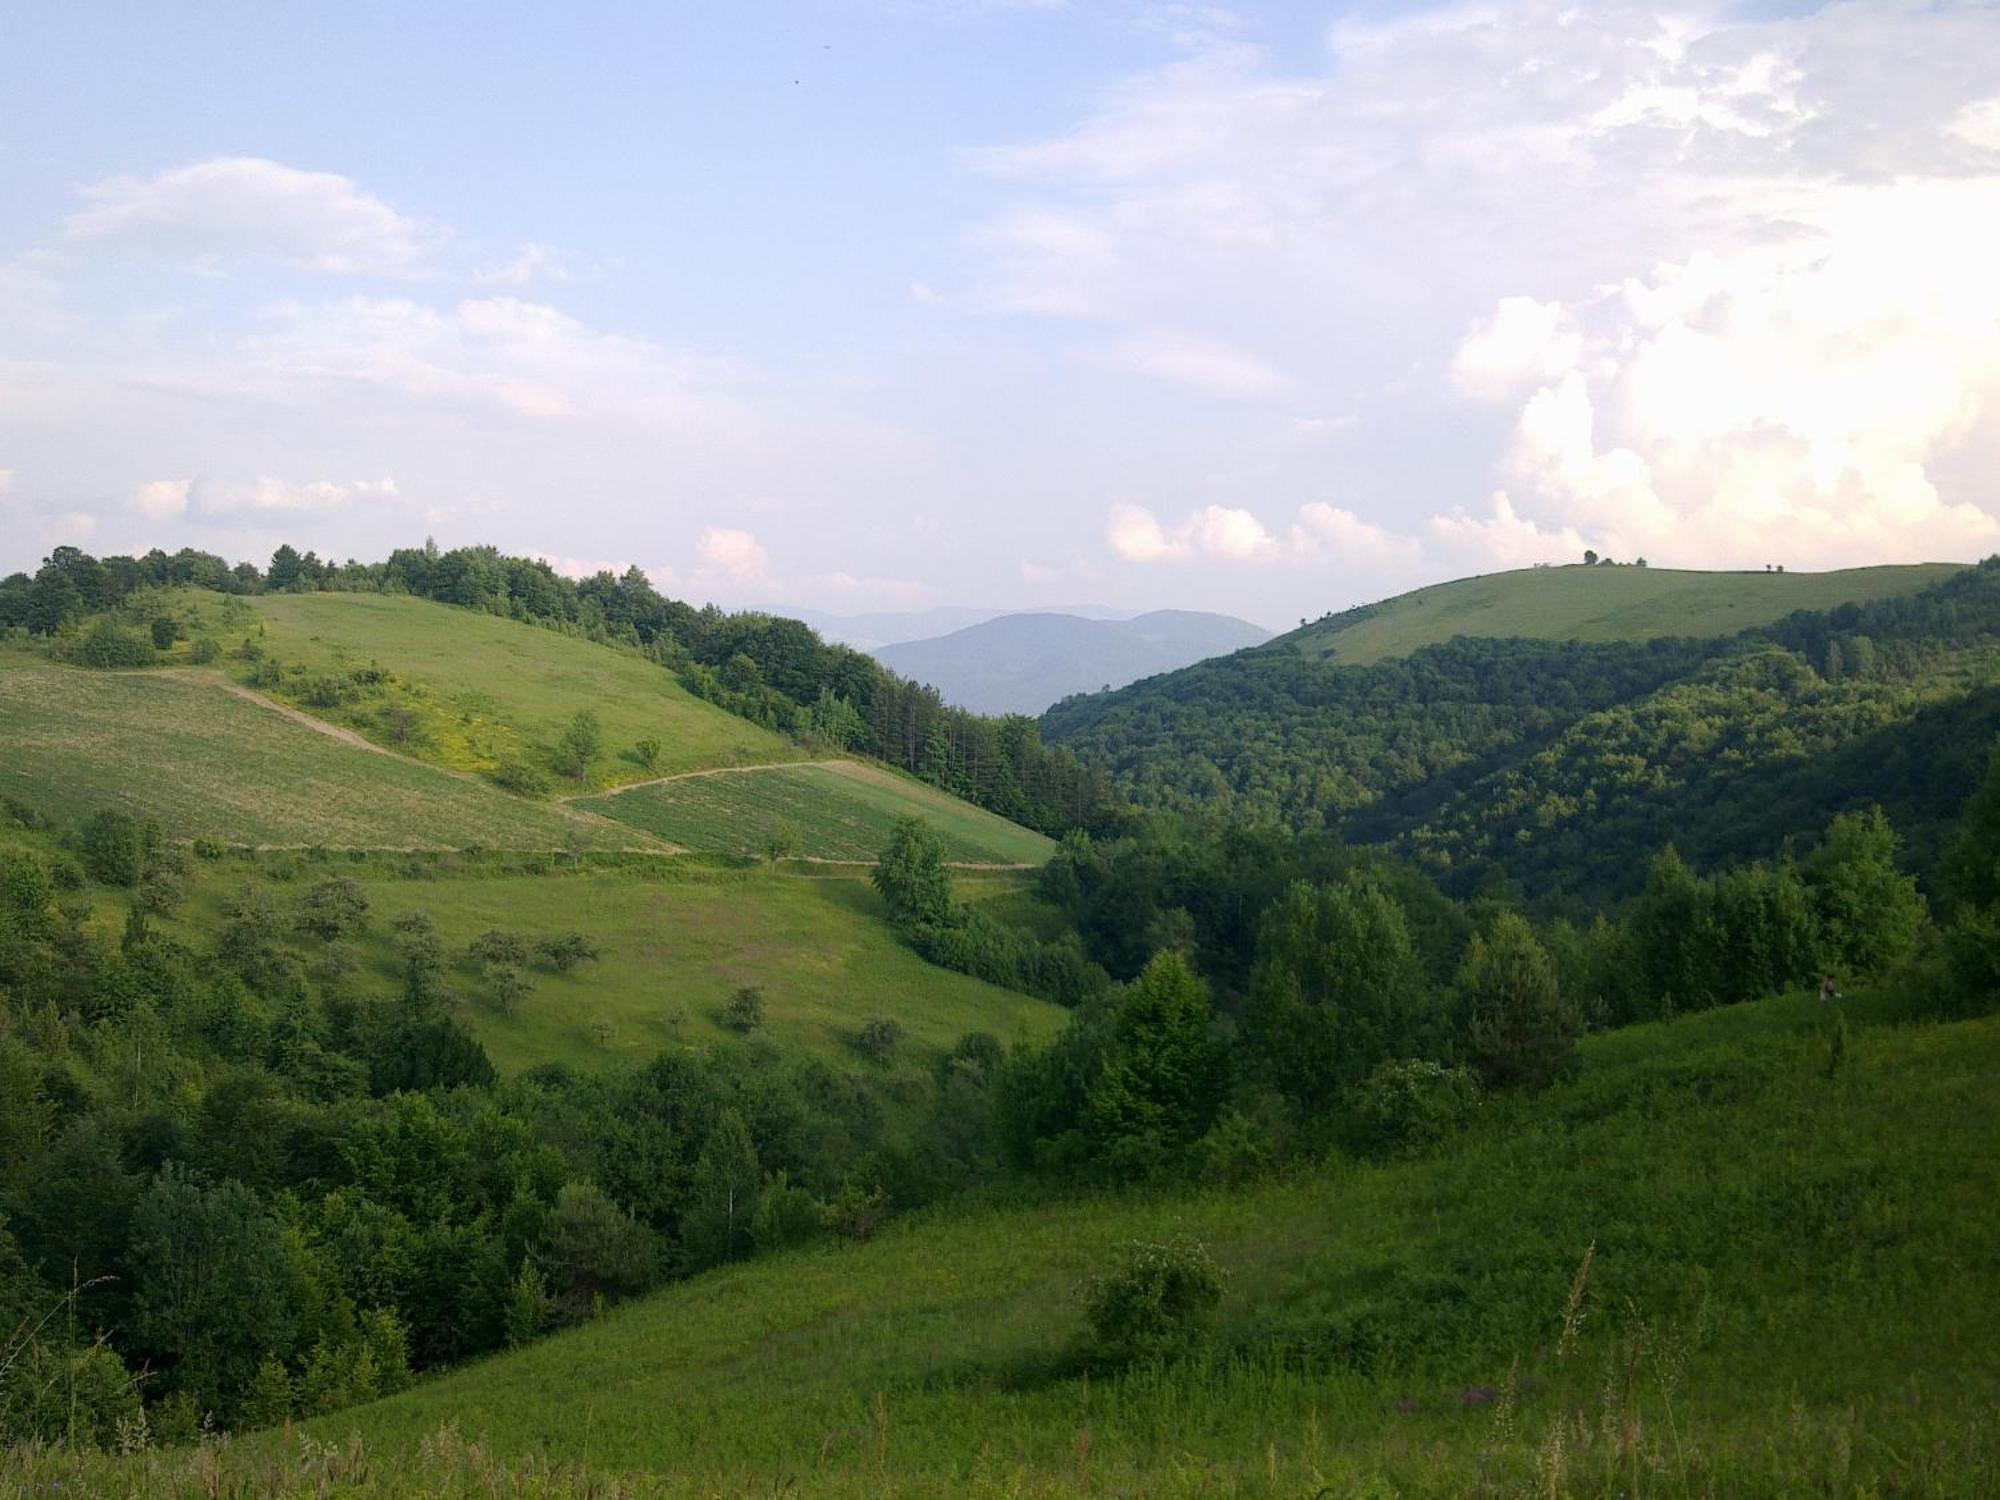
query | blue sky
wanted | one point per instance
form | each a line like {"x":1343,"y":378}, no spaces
{"x":868,"y":304}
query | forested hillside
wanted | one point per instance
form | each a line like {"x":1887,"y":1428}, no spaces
{"x":1565,"y":765}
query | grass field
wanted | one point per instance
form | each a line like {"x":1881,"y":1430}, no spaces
{"x":180,"y":747}
{"x":676,"y":939}
{"x":842,"y":810}
{"x":1598,"y":604}
{"x":1791,"y":1290}
{"x":483,"y":689}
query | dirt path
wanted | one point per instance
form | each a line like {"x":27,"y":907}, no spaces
{"x":633,"y":786}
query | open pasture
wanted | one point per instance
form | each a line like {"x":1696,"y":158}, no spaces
{"x":837,"y":810}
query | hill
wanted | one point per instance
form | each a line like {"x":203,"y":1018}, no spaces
{"x":1564,"y":765}
{"x":209,"y":762}
{"x":469,"y":690}
{"x":1020,"y":664}
{"x":1705,"y":1266}
{"x":674,"y":941}
{"x":1600,"y":603}
{"x":864,"y":632}
{"x":831,"y":810}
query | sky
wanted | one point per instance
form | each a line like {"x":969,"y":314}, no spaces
{"x":884,"y":304}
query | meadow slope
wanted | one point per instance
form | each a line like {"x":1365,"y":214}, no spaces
{"x":181,"y":747}
{"x":1594,"y":604}
{"x":482,"y":689}
{"x":838,"y":810}
{"x":1788,"y":1282}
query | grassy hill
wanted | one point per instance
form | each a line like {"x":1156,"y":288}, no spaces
{"x":838,"y":810}
{"x":675,"y":939}
{"x":480,"y":689}
{"x":180,"y":746}
{"x":1788,"y":1282}
{"x":1594,"y":604}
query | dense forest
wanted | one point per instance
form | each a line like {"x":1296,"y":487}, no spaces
{"x":773,"y":671}
{"x":1564,"y":767}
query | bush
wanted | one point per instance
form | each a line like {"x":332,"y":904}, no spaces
{"x":520,"y":778}
{"x":115,"y":846}
{"x":165,"y":632}
{"x":107,"y":645}
{"x":745,"y":1010}
{"x":1160,"y":1302}
{"x":786,"y":1215}
{"x":567,"y":951}
{"x":880,"y":1037}
{"x":204,"y":650}
{"x":1403,"y":1108}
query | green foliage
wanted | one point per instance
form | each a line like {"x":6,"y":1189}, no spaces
{"x":1158,"y":1303}
{"x":911,"y":875}
{"x":1163,"y":1075}
{"x":719,"y":1221}
{"x":577,"y":746}
{"x":646,"y":754}
{"x":1870,"y":913}
{"x":596,"y":1251}
{"x":745,"y":1010}
{"x":332,"y":909}
{"x":565,"y":951}
{"x":1972,"y":864}
{"x":1338,"y":988}
{"x":880,"y":1038}
{"x":787,"y":1216}
{"x":115,"y":846}
{"x":1411,"y":1106}
{"x":1519,"y":1030}
{"x":520,"y":778}
{"x":104,"y":643}
{"x":529,"y":1306}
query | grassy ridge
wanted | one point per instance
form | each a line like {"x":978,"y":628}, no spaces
{"x":1596,"y":604}
{"x":675,"y":939}
{"x":1791,"y":1287}
{"x":182,"y":748}
{"x":843,"y":810}
{"x":485,"y":689}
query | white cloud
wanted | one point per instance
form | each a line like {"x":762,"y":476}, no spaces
{"x":233,"y":209}
{"x":72,"y":526}
{"x":6,"y":480}
{"x":1329,"y":533}
{"x":1731,"y":275}
{"x":731,"y":555}
{"x":533,"y":263}
{"x":270,"y":493}
{"x":163,"y":499}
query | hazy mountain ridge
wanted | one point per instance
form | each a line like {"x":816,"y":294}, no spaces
{"x":1023,"y":663}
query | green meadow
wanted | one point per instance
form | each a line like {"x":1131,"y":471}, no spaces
{"x":1716,"y":1263}
{"x":481,"y":689}
{"x":179,"y":746}
{"x":837,"y":810}
{"x":1597,"y":604}
{"x":675,"y":940}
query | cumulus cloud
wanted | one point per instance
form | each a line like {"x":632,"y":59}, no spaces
{"x":1712,"y":287}
{"x":163,"y":499}
{"x":233,"y":209}
{"x":734,"y":556}
{"x":533,"y":263}
{"x":268,"y":492}
{"x":73,"y":527}
{"x":1319,"y":533}
{"x":6,"y":480}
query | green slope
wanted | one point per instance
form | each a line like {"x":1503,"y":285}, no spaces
{"x":1594,"y":604}
{"x":208,"y":763}
{"x":482,"y":689}
{"x":840,"y":810}
{"x":1791,"y":1286}
{"x":675,"y":940}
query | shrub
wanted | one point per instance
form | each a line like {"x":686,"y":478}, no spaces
{"x":204,"y":650}
{"x":647,"y":753}
{"x":332,"y":909}
{"x":497,"y":948}
{"x":107,"y":645}
{"x":567,"y":951}
{"x":520,"y":778}
{"x":786,"y":1215}
{"x":166,"y":631}
{"x":880,"y":1037}
{"x":1407,"y":1107}
{"x":1158,"y":1303}
{"x":115,"y":846}
{"x":745,"y":1010}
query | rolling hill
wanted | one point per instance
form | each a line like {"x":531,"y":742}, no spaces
{"x":1020,"y":664}
{"x":1593,"y":604}
{"x":1565,"y":764}
{"x":1785,"y":1284}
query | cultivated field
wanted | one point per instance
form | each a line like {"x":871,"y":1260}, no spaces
{"x":182,"y":748}
{"x":481,"y":689}
{"x":1598,"y":604}
{"x":1790,"y":1290}
{"x":675,"y":940}
{"x":841,"y":810}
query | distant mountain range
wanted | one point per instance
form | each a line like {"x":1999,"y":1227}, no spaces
{"x":1023,"y":663}
{"x":865,"y":632}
